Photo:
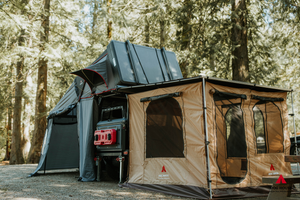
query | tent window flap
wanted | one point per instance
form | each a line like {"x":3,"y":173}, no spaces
{"x":164,"y":133}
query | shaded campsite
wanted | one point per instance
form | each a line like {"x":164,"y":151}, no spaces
{"x":132,"y":115}
{"x":14,"y":184}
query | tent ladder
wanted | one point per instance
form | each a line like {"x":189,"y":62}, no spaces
{"x":206,"y":137}
{"x":295,"y":133}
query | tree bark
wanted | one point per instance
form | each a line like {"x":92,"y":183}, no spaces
{"x":8,"y":132}
{"x":40,"y":121}
{"x":147,"y":28}
{"x":95,"y":15}
{"x":9,"y":121}
{"x":240,"y":63}
{"x":186,"y":34}
{"x":25,"y":128}
{"x":109,"y":22}
{"x":16,"y":156}
{"x":162,"y":32}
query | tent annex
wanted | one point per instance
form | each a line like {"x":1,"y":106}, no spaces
{"x":246,"y":133}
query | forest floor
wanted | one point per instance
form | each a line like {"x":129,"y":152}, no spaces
{"x":14,"y":184}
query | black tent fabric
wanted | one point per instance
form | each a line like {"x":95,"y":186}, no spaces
{"x":124,"y":63}
{"x":86,"y":124}
{"x":94,"y":75}
{"x":60,"y":148}
{"x":44,"y":148}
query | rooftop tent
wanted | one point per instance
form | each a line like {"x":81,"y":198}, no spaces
{"x":247,"y":131}
{"x":123,"y":63}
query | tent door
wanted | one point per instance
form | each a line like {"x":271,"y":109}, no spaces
{"x":230,"y":135}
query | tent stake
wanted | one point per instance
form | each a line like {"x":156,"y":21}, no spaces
{"x":295,"y":134}
{"x":206,"y":137}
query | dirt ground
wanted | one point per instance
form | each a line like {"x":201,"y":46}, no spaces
{"x":14,"y":184}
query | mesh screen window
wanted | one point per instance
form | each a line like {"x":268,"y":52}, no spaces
{"x":164,"y":133}
{"x":230,"y":136}
{"x":235,"y":132}
{"x":268,"y":127}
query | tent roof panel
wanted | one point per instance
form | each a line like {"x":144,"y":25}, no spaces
{"x":230,"y":83}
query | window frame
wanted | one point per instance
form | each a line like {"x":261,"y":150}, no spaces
{"x":178,"y":100}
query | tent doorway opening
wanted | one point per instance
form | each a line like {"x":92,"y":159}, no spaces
{"x":230,"y":134}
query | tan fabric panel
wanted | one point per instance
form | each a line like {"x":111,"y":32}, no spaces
{"x":258,"y":165}
{"x":190,"y":170}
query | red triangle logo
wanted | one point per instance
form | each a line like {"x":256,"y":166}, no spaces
{"x":272,"y":167}
{"x":280,"y":180}
{"x":163,"y":169}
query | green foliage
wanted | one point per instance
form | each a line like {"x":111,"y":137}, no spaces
{"x":199,"y":32}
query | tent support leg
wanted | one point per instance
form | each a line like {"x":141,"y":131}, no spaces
{"x":98,"y":168}
{"x":295,"y":133}
{"x":206,"y":138}
{"x":121,"y":160}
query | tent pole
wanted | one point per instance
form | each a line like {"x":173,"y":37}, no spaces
{"x":206,"y":137}
{"x":295,"y":134}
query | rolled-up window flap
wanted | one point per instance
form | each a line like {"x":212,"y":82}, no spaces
{"x":225,"y":95}
{"x":266,"y":98}
{"x":176,"y":94}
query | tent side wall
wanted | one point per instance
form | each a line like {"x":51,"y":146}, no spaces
{"x":273,"y":129}
{"x":60,"y":148}
{"x":87,"y":118}
{"x":187,"y":170}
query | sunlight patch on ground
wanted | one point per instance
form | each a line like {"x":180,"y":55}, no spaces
{"x":123,"y":193}
{"x":59,"y":185}
{"x":95,"y":191}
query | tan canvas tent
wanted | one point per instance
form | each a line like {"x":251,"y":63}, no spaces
{"x":243,"y":129}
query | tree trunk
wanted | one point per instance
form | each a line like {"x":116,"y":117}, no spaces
{"x":9,"y":119}
{"x":95,"y":15}
{"x":109,"y":22}
{"x":16,"y":156}
{"x":40,"y":121}
{"x":186,"y":34}
{"x":8,"y":132}
{"x":25,"y":128}
{"x":240,"y":63}
{"x":162,"y":31}
{"x":147,"y":29}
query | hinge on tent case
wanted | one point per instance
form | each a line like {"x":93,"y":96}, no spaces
{"x":292,"y":114}
{"x":204,"y":108}
{"x":207,"y":142}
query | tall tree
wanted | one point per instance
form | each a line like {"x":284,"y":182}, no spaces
{"x":162,"y":23}
{"x":240,"y":61}
{"x":9,"y":116}
{"x":16,"y":156}
{"x":147,"y":27}
{"x":184,"y":34}
{"x":109,"y":22}
{"x":8,"y":132}
{"x":41,"y":92}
